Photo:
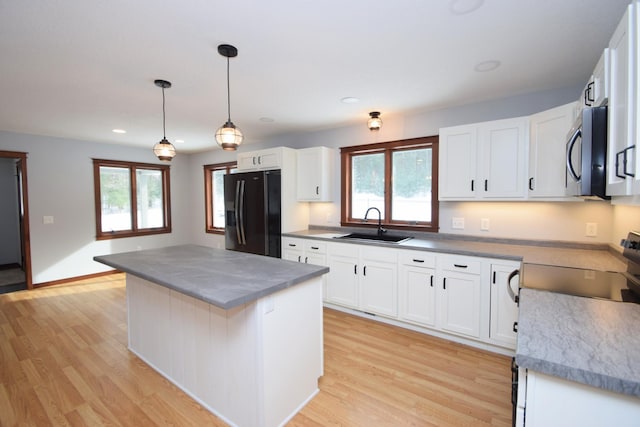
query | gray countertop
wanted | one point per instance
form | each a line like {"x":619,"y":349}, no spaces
{"x":220,"y":277}
{"x":567,"y":254}
{"x":587,"y":340}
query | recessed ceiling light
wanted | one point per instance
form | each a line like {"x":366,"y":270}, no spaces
{"x":179,"y":141}
{"x":119,"y":131}
{"x":462,"y":7}
{"x":349,"y":100}
{"x":266,"y":120}
{"x":483,"y":67}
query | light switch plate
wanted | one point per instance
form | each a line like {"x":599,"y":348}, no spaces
{"x":47,"y":220}
{"x":484,"y":224}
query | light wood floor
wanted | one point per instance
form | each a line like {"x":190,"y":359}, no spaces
{"x":64,"y":361}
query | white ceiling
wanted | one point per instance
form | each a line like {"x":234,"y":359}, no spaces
{"x":80,"y":68}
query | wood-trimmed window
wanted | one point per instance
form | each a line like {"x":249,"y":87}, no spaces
{"x":400,"y":178}
{"x":131,"y":199}
{"x":214,"y":195}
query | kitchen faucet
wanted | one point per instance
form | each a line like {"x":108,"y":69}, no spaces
{"x":380,"y":229}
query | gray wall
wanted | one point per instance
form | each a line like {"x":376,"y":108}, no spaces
{"x":60,"y":178}
{"x":9,"y":214}
{"x":60,"y":184}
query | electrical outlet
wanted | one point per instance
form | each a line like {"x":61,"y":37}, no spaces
{"x":457,"y":223}
{"x":484,"y":224}
{"x":591,"y":229}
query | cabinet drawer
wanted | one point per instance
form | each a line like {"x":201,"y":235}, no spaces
{"x":292,"y":243}
{"x":417,"y":259}
{"x":460,"y":264}
{"x":315,"y":246}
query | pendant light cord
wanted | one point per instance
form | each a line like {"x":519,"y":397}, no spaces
{"x":164,"y":132}
{"x":228,"y":94}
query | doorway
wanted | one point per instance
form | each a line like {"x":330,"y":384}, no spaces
{"x":15,"y":251}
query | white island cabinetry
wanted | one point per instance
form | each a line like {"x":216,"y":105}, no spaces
{"x":223,"y":332}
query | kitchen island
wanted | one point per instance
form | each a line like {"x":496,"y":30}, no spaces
{"x":240,"y":333}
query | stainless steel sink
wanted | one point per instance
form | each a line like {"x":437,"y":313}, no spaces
{"x":388,"y":238}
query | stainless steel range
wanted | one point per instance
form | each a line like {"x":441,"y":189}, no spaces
{"x":615,"y":286}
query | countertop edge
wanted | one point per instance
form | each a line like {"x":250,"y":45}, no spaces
{"x":592,"y":379}
{"x":229,"y":304}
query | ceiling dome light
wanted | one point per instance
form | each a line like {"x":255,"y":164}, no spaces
{"x":229,"y":137}
{"x":164,"y":150}
{"x":375,"y":122}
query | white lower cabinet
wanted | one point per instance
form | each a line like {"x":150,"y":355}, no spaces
{"x":342,"y":279}
{"x":553,"y":401}
{"x":504,"y":311}
{"x":309,"y":251}
{"x":379,"y":281}
{"x":363,"y":277}
{"x":417,"y":290}
{"x":461,"y":296}
{"x":451,"y":295}
{"x":292,"y":249}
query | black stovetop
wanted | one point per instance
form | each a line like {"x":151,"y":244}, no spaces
{"x":607,"y":285}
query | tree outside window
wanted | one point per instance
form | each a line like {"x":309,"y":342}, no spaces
{"x":399,"y":178}
{"x":121,"y":185}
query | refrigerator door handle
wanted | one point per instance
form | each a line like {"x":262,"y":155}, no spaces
{"x":236,"y":212}
{"x":242,"y":197}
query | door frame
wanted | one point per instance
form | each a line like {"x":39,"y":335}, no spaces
{"x":24,"y":223}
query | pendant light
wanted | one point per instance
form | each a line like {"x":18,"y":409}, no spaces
{"x":228,"y":135}
{"x":164,"y":150}
{"x":375,"y":122}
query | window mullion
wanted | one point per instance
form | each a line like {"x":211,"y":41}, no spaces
{"x":388,"y":177}
{"x":134,"y":199}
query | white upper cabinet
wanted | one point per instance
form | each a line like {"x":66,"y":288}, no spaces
{"x":547,"y":135}
{"x":621,"y":151}
{"x":600,"y":79}
{"x":597,"y":88}
{"x":457,"y":162}
{"x":484,"y":160}
{"x":315,"y":174}
{"x":260,"y":160}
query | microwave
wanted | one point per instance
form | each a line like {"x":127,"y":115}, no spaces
{"x":586,"y":155}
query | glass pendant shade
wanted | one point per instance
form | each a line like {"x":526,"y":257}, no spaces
{"x":375,"y":122}
{"x":164,"y":150}
{"x":229,"y":136}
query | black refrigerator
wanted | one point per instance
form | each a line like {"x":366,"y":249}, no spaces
{"x":252,"y":212}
